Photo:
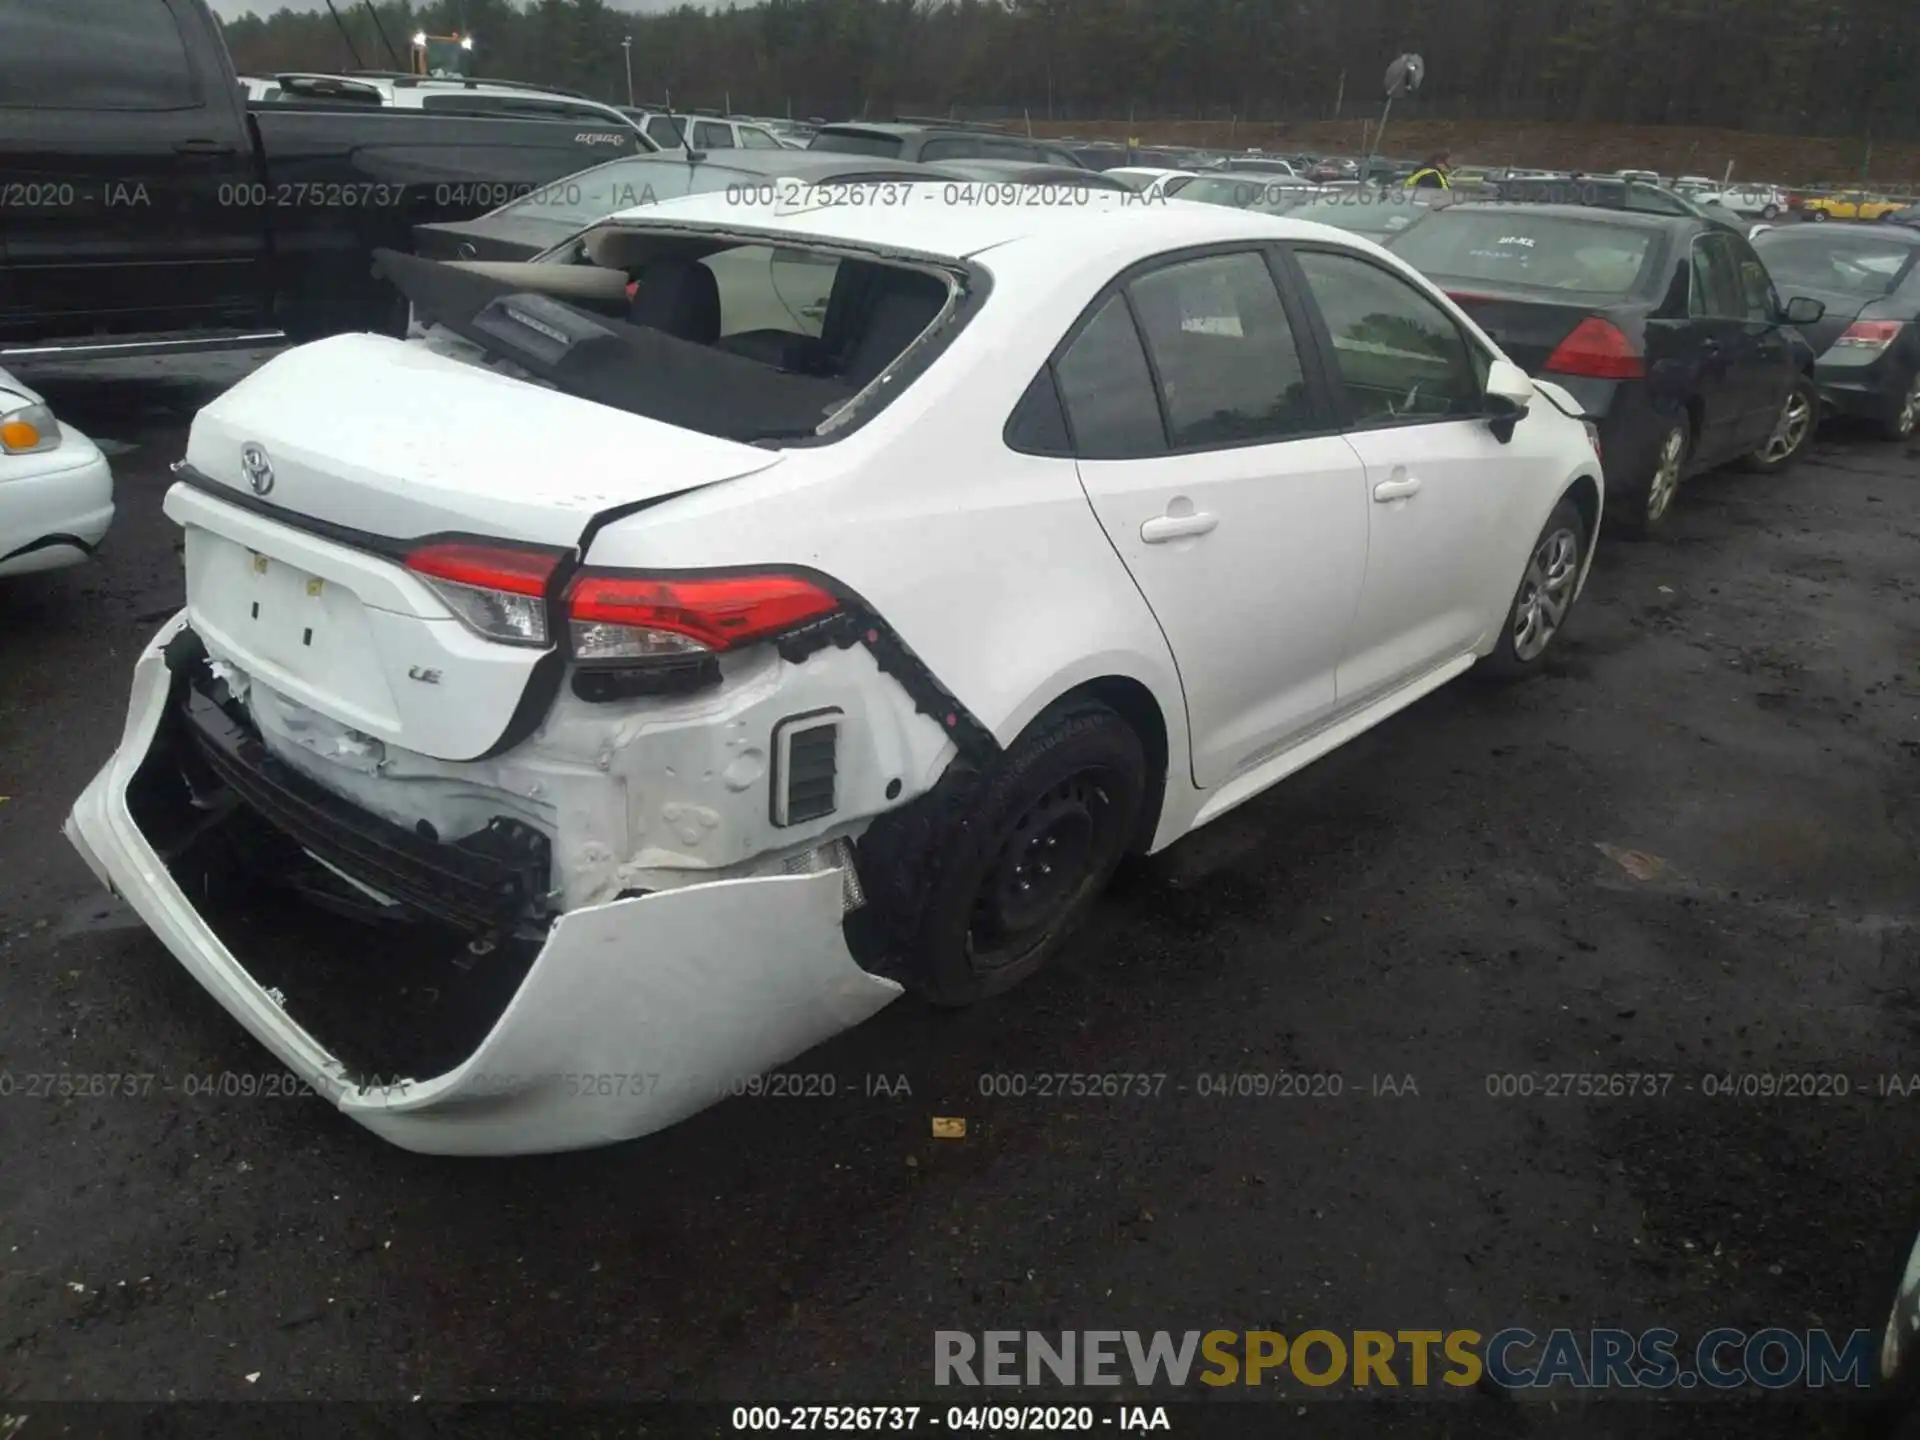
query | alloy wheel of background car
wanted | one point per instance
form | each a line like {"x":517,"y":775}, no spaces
{"x":1820,"y":216}
{"x":1770,"y":212}
{"x":1906,"y":414}
{"x":1668,"y":468}
{"x":1791,"y":431}
{"x":1025,"y":858}
{"x":1546,"y":593}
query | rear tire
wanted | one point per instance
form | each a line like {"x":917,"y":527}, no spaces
{"x":1904,"y":419}
{"x":1819,"y":217}
{"x":1770,"y":212}
{"x":1647,"y":506}
{"x":1793,"y":431}
{"x":1027,"y":856}
{"x":1544,"y":599}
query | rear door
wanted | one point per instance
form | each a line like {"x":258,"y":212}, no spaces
{"x":1440,"y":491}
{"x":126,"y":143}
{"x":1210,"y":458}
{"x":1713,"y":342}
{"x":1774,"y":368}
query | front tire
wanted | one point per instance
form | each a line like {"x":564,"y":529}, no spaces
{"x":1544,"y":599}
{"x":1819,"y":217}
{"x":1029,"y":854}
{"x":1793,"y":430}
{"x":1770,"y":212}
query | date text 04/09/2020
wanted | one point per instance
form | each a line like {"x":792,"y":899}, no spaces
{"x":993,"y":1419}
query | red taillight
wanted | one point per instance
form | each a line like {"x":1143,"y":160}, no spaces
{"x":496,"y":591}
{"x":625,"y":617}
{"x":1871,"y":334}
{"x":1598,"y":349}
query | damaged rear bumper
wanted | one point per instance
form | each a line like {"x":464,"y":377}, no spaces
{"x":632,"y":1014}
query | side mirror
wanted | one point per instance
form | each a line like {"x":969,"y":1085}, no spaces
{"x":1509,"y":395}
{"x":1804,"y":310}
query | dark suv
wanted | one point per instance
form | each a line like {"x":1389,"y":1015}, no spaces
{"x":930,"y":144}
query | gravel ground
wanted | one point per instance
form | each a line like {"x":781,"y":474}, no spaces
{"x":1689,"y":851}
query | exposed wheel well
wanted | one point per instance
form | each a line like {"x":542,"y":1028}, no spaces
{"x":1135,"y":704}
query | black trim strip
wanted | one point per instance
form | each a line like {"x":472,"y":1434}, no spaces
{"x":48,"y":542}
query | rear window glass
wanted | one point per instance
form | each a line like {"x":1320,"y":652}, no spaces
{"x":856,"y":142}
{"x":746,"y":341}
{"x":1852,"y":264}
{"x":1542,"y":252}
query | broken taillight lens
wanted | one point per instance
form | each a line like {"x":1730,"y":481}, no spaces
{"x":496,"y":591}
{"x":619,"y":617}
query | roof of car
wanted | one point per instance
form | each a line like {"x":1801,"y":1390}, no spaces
{"x":812,"y":165}
{"x":893,"y":127}
{"x":930,"y":219}
{"x":1596,"y":214}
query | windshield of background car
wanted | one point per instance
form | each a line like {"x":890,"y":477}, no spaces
{"x":1504,"y":247}
{"x":1852,"y":264}
{"x":858,"y":142}
{"x":608,"y":189}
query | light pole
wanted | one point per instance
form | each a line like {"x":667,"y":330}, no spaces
{"x":626,"y":51}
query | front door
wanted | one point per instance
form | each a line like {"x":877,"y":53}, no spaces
{"x":1236,"y":506}
{"x":1441,"y":491}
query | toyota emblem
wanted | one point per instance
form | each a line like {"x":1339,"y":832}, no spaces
{"x":258,"y":469}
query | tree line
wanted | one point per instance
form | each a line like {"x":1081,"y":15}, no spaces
{"x":1810,"y":67}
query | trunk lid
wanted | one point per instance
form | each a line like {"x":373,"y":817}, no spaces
{"x":1527,"y":327}
{"x":390,"y":438}
{"x":387,"y":442}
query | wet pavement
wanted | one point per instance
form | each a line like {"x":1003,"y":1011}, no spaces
{"x":1688,"y":855}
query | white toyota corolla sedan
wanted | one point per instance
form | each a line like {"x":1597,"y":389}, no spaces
{"x":56,"y":488}
{"x":764,"y":605}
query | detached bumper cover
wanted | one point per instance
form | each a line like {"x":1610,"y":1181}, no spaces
{"x":635,"y":1014}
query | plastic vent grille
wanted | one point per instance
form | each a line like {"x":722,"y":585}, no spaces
{"x":810,"y":772}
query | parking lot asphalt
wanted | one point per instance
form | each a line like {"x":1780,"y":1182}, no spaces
{"x":1690,"y":851}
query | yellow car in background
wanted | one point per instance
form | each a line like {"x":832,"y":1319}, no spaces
{"x":1851,"y":205}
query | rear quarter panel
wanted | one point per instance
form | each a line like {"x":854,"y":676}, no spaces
{"x":989,"y":564}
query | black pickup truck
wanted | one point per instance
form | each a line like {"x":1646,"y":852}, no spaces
{"x":146,"y":208}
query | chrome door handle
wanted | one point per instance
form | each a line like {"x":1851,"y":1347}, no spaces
{"x":1163,"y":528}
{"x":1396,"y":489}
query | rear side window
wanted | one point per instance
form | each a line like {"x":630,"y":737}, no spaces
{"x":666,"y":131}
{"x":752,"y":137}
{"x":709,"y":136}
{"x":1507,"y":247}
{"x":94,"y":55}
{"x":1228,"y":367}
{"x":857,"y":142}
{"x":1401,"y":357}
{"x":1108,"y":390}
{"x":1715,"y":292}
{"x":962,"y":149}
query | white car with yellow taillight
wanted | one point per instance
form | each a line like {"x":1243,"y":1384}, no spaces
{"x":56,"y":489}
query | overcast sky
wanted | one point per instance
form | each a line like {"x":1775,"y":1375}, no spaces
{"x":232,"y":9}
